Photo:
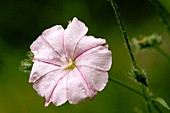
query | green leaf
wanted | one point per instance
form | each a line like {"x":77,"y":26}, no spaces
{"x":162,"y":102}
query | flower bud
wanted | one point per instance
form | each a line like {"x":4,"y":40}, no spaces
{"x":139,"y":75}
{"x":26,"y":64}
{"x":29,"y":55}
{"x":147,"y":41}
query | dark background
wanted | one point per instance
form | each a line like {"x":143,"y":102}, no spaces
{"x":22,"y":21}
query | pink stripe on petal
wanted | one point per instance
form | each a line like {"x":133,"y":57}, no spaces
{"x":87,"y":43}
{"x":46,"y":86}
{"x":73,"y":33}
{"x":57,"y":85}
{"x":77,"y":89}
{"x":43,"y":50}
{"x":59,"y":94}
{"x":54,"y":36}
{"x":86,"y":82}
{"x":50,"y":61}
{"x":37,"y":68}
{"x":96,"y":79}
{"x":99,"y":57}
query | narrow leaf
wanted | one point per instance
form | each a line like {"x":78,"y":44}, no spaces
{"x":162,"y":102}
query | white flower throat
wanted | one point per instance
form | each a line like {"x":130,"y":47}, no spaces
{"x":68,"y":64}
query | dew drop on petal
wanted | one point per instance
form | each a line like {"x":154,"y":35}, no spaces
{"x":83,"y":90}
{"x":51,"y":73}
{"x":92,"y":77}
{"x":42,"y":86}
{"x":55,"y":49}
{"x":44,"y":79}
{"x":80,"y":88}
{"x":52,"y":81}
{"x":43,"y":46}
{"x":35,"y":75}
{"x":97,"y":67}
{"x":51,"y":57}
{"x":79,"y":22}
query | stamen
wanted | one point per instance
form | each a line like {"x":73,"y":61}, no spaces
{"x":68,"y":64}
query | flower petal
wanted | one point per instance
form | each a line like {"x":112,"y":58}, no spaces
{"x":96,"y":79}
{"x":99,"y":57}
{"x":86,"y":43}
{"x":60,"y":94}
{"x":47,"y":85}
{"x":43,"y":51}
{"x":37,"y":68}
{"x":74,"y":32}
{"x":55,"y":36}
{"x":77,"y":88}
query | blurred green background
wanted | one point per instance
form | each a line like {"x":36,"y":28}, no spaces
{"x":22,"y":21}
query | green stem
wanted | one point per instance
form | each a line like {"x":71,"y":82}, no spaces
{"x":157,"y":7}
{"x":144,"y":94}
{"x":124,"y":34}
{"x":163,"y":53}
{"x":126,"y":86}
{"x":157,"y":108}
{"x":148,"y":107}
{"x":146,"y":100}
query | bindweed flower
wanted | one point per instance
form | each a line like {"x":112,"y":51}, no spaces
{"x":147,"y":41}
{"x":68,"y":65}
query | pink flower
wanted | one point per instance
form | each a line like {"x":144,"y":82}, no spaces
{"x":68,"y":65}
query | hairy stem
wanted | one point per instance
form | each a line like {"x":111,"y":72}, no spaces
{"x":125,"y":86}
{"x":124,"y":34}
{"x":157,"y":7}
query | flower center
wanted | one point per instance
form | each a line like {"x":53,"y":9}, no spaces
{"x":69,"y":64}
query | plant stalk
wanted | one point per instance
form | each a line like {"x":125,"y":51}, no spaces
{"x":124,"y":34}
{"x":126,"y":86}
